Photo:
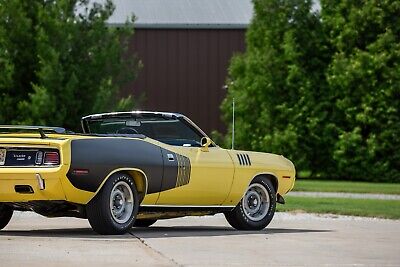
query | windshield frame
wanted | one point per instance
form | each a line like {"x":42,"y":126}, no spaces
{"x":85,"y":121}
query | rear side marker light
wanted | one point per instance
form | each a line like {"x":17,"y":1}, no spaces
{"x":286,"y":177}
{"x":80,"y":172}
{"x":51,"y":158}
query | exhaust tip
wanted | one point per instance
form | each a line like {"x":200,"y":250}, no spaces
{"x":24,"y":189}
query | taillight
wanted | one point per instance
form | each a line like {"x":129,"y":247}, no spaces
{"x":51,"y":158}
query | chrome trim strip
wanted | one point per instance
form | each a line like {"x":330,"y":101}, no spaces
{"x":100,"y":115}
{"x":185,"y":206}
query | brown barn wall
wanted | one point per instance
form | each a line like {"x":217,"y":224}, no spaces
{"x":184,"y":70}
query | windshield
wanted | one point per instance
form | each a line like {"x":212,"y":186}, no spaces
{"x":169,"y":130}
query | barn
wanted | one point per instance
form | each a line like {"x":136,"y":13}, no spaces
{"x":185,"y":47}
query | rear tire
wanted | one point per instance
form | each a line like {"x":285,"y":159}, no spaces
{"x":144,"y":222}
{"x":113,"y":210}
{"x":257,"y":208}
{"x":6,"y":213}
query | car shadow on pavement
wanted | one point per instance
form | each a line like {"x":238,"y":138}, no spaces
{"x":83,"y":233}
{"x":199,"y":231}
{"x":155,"y":232}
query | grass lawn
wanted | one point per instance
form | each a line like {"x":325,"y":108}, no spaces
{"x":344,"y":186}
{"x":389,"y":209}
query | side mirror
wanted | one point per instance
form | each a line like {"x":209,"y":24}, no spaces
{"x":205,"y":143}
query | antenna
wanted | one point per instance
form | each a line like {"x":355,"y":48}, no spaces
{"x":233,"y":123}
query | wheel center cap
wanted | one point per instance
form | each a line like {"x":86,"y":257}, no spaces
{"x":255,"y":202}
{"x":119,"y":201}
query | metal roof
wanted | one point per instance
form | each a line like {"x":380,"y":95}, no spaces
{"x":204,"y":14}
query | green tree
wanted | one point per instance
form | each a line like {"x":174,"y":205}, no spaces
{"x":322,"y":88}
{"x":59,"y":61}
{"x":364,"y":78}
{"x":278,"y":82}
{"x":17,"y":55}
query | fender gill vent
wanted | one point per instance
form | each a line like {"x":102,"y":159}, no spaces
{"x":244,"y":159}
{"x":183,"y":170}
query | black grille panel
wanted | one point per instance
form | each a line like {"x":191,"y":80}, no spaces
{"x":183,"y":170}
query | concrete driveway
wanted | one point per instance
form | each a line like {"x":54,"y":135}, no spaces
{"x":290,"y":240}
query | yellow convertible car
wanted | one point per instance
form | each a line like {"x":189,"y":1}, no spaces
{"x":133,"y":168}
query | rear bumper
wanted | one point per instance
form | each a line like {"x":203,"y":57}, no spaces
{"x":12,"y":177}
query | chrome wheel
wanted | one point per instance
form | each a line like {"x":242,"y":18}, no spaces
{"x":256,"y":202}
{"x":121,"y":202}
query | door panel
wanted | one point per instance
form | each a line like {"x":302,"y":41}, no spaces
{"x":210,"y":180}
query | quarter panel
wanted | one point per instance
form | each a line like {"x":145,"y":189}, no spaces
{"x":103,"y":155}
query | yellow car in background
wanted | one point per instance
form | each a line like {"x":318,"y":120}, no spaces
{"x":132,"y":168}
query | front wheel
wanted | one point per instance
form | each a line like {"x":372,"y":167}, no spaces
{"x":6,"y":213}
{"x":256,"y":209}
{"x":113,"y":210}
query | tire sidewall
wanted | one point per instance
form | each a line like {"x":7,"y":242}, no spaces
{"x":6,"y":213}
{"x":114,"y":179}
{"x":271,"y":210}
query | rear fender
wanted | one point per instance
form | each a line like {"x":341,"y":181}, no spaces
{"x":137,"y":175}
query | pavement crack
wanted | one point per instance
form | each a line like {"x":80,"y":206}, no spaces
{"x":173,"y":262}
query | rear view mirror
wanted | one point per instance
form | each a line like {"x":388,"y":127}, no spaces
{"x":133,"y":123}
{"x":205,"y":143}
